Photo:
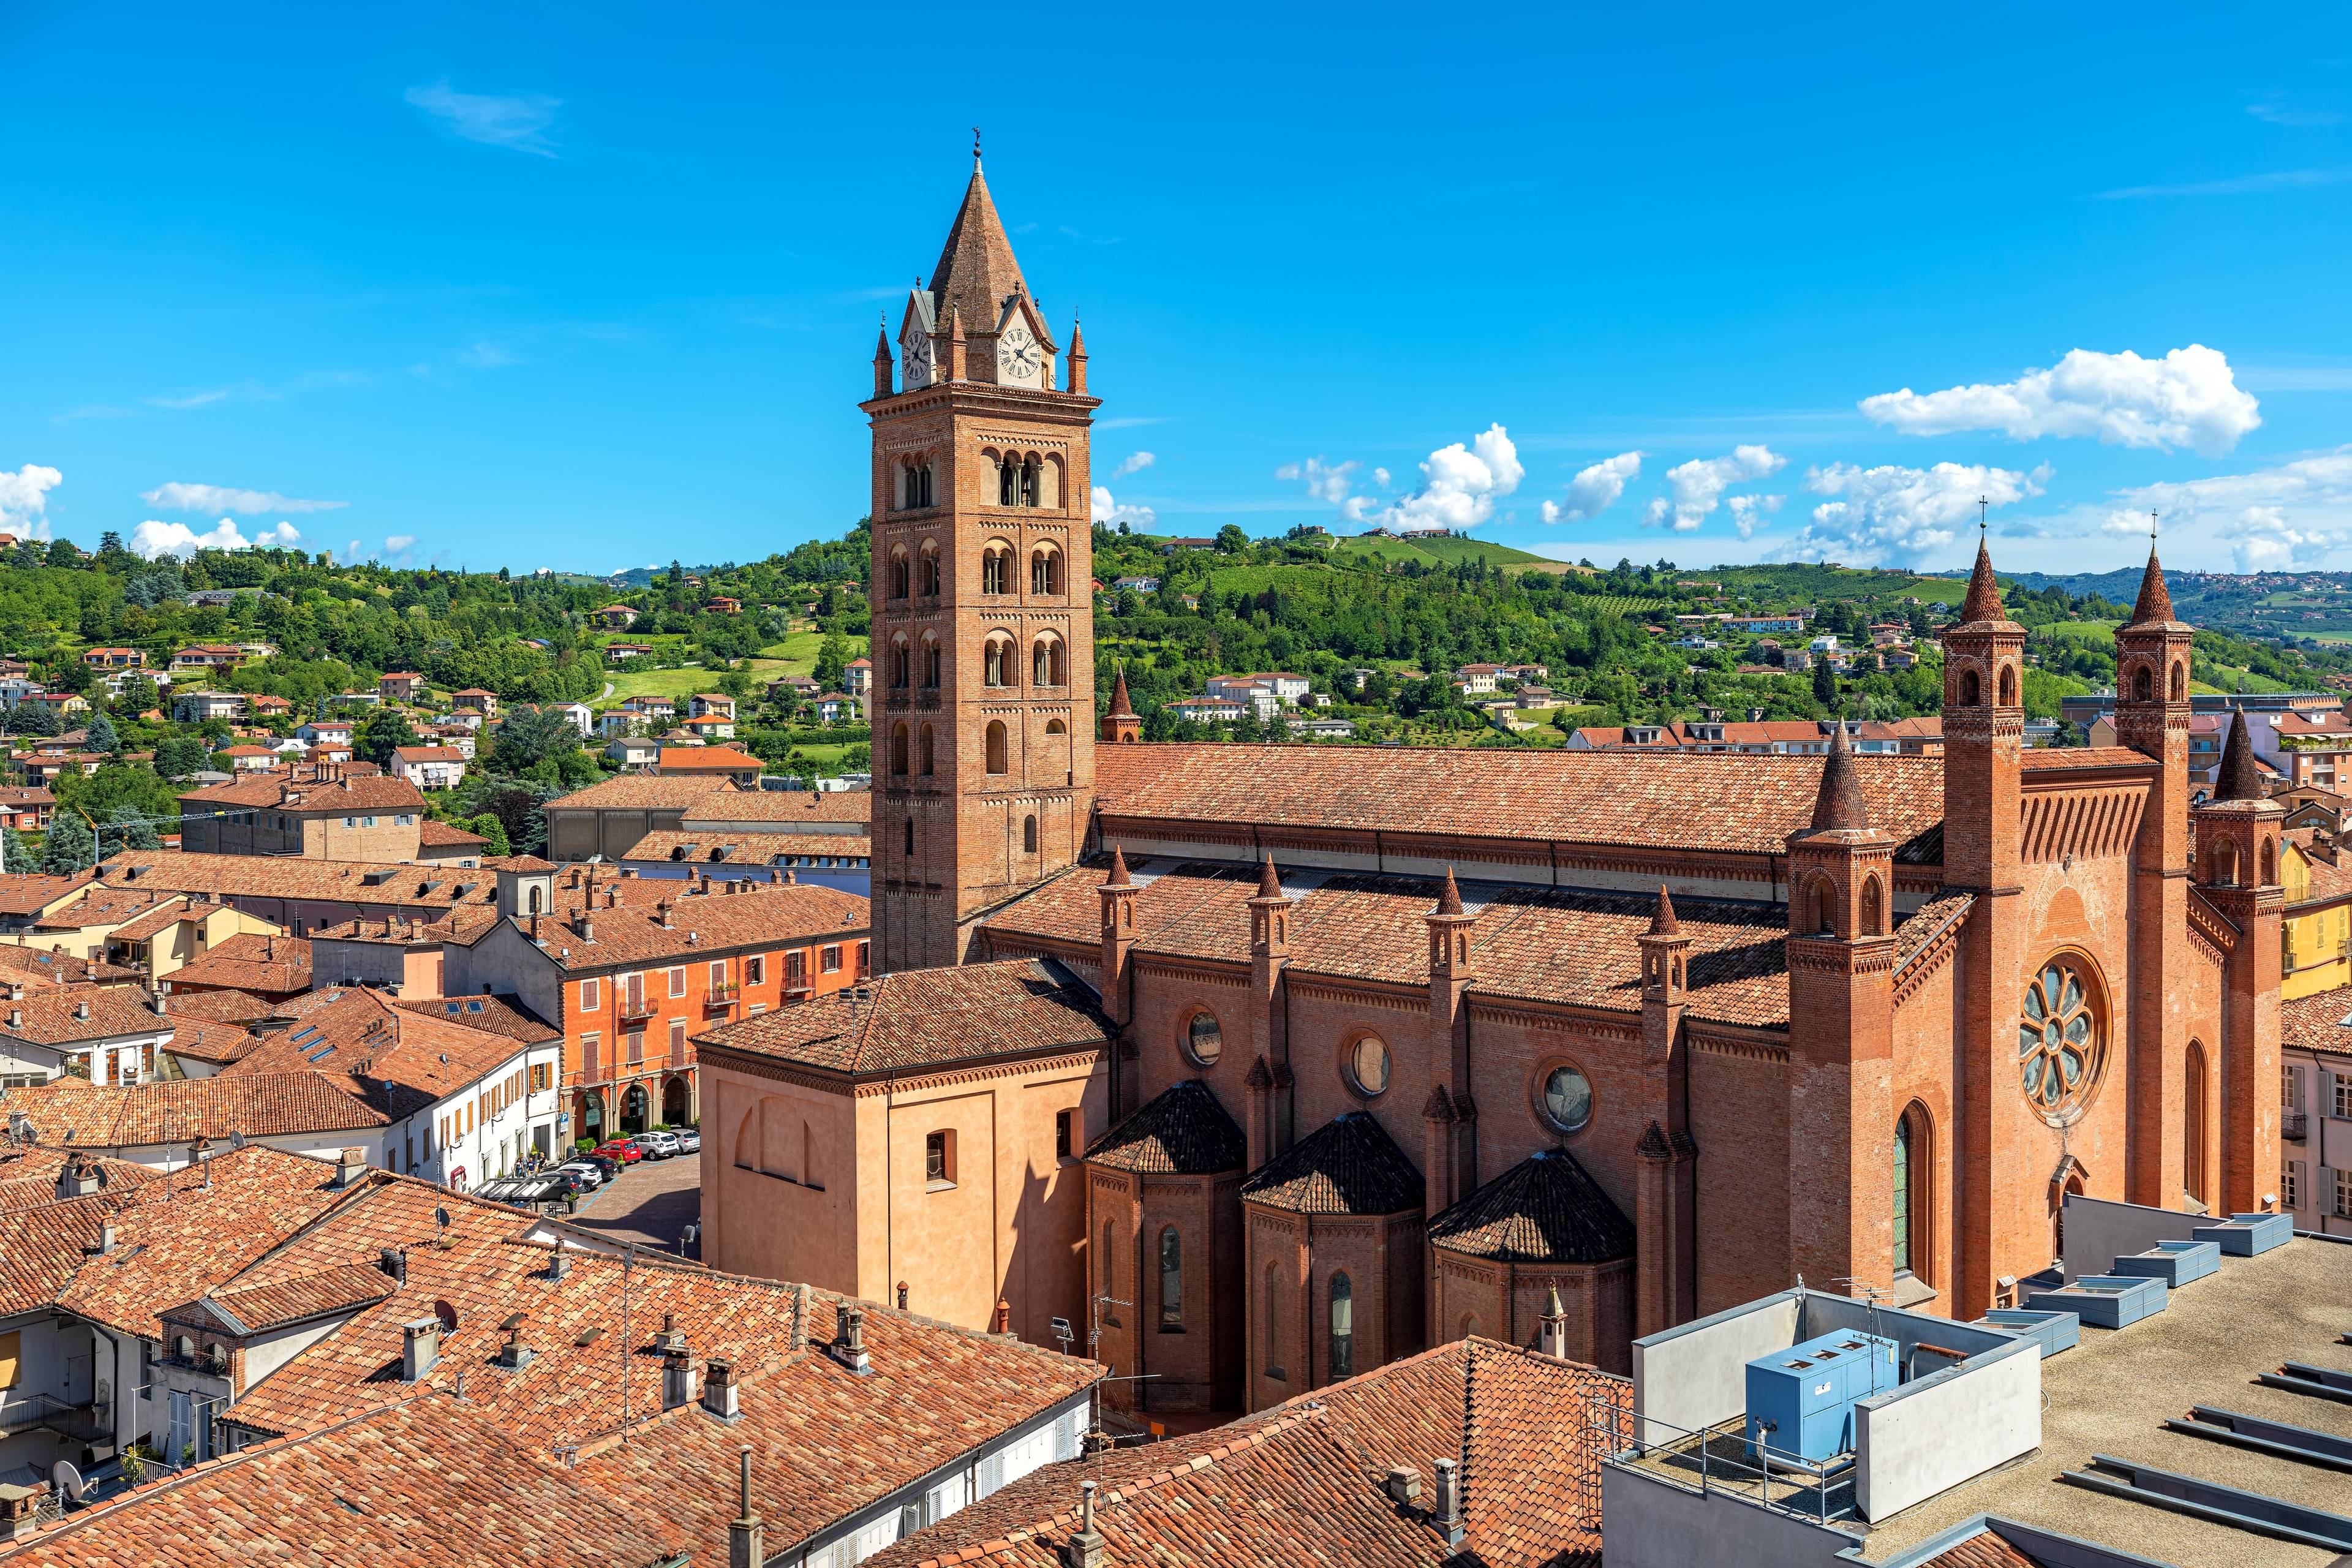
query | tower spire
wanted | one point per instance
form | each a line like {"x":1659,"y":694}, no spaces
{"x":2155,"y":606}
{"x":2241,"y":777}
{"x":1983,"y":601}
{"x":1838,"y":803}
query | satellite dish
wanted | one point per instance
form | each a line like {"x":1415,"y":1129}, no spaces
{"x":441,"y":1216}
{"x":68,"y":1479}
{"x":449,"y":1316}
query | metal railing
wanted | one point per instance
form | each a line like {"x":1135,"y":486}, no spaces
{"x":2295,"y":1125}
{"x":1714,"y":1459}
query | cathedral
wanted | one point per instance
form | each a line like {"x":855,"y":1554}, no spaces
{"x":1393,"y":1046}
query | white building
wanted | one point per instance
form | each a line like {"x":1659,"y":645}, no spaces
{"x":106,"y":1034}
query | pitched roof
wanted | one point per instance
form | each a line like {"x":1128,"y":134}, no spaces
{"x":739,"y":848}
{"x":1545,"y":1209}
{"x":27,"y":893}
{"x":102,"y":906}
{"x":1348,"y":1165}
{"x":783,"y":807}
{"x":702,"y":921}
{"x":442,"y":835}
{"x":638,"y":791}
{"x":1703,"y":801}
{"x":247,"y":961}
{"x":976,"y":271}
{"x":57,"y":1015}
{"x":370,"y":884}
{"x":1301,"y":1482}
{"x":691,"y":760}
{"x":2319,"y":1022}
{"x":928,"y":1018}
{"x":306,"y":792}
{"x":21,"y":965}
{"x":1566,"y":946}
{"x":1183,"y":1131}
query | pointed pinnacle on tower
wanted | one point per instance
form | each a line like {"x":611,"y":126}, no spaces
{"x":1118,"y":877}
{"x":1120,"y":706}
{"x":1663,"y":923}
{"x":1838,"y":803}
{"x":1449,"y":898}
{"x":1983,"y":601}
{"x":2155,"y":607}
{"x":2241,"y":777}
{"x":1269,"y":883}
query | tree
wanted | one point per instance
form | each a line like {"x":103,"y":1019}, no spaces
{"x":1231,"y":540}
{"x":530,"y":735}
{"x":70,"y":847}
{"x":831,"y":660}
{"x":128,"y":827}
{"x":16,"y":857}
{"x":1825,"y":685}
{"x":737,"y":683}
{"x":179,"y":757}
{"x":101,"y":736}
{"x":380,"y":733}
{"x":493,"y":832}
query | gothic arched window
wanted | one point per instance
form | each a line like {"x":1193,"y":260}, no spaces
{"x":1008,"y":482}
{"x":995,"y":662}
{"x":1045,"y":662}
{"x":1969,"y":689}
{"x":2192,"y":1124}
{"x":998,"y":760}
{"x":902,"y":665}
{"x":931,"y":568}
{"x":1824,"y":899}
{"x":1172,"y":1281}
{"x":2143,"y":686}
{"x":899,"y":750}
{"x":2008,"y":686}
{"x":995,"y":567}
{"x":1343,"y":1329}
{"x":901,"y":579}
{"x":926,"y":750}
{"x":1029,"y":482}
{"x":1045,"y":571}
{"x":1869,"y":908}
{"x":1029,"y":834}
{"x":2180,"y":690}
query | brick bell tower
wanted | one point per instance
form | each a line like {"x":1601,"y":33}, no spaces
{"x":983,"y":616}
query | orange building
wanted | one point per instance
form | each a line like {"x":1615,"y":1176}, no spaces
{"x":1407,"y":1039}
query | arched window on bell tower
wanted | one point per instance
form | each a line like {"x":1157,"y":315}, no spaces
{"x":1008,"y":481}
{"x":2008,"y":686}
{"x":2143,"y":685}
{"x":1971,"y":690}
{"x":1029,"y":481}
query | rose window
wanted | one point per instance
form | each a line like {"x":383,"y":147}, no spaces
{"x":2059,"y":1041}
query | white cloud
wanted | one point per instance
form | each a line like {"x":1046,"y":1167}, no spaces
{"x":152,"y":539}
{"x":216,"y":500}
{"x":1110,"y":513}
{"x":518,"y":121}
{"x":25,"y":499}
{"x":2188,"y":398}
{"x":1596,"y":489}
{"x":2290,"y":516}
{"x":1749,"y":513}
{"x":1460,"y":484}
{"x":1893,"y":513}
{"x":1134,"y":463}
{"x":398,"y":544}
{"x":2236,"y":185}
{"x":1698,"y":485}
{"x":1325,"y":482}
{"x":2263,"y":539}
{"x":1381,"y":478}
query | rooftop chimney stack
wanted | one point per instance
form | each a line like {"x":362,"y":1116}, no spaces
{"x":82,"y":1011}
{"x":720,"y":1395}
{"x":1445,"y":1509}
{"x":420,"y":1347}
{"x":350,"y":1166}
{"x":106,"y":1237}
{"x":746,"y":1538}
{"x":558,"y":1264}
{"x":1084,"y":1549}
{"x":849,"y":1343}
{"x":1403,"y":1484}
{"x":673,"y":1338}
{"x":514,"y":1355}
{"x":678,"y":1379}
{"x":394,"y":1261}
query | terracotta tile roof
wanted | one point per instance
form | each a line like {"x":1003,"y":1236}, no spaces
{"x":1929,"y":921}
{"x":1183,"y":1131}
{"x":221,"y":1007}
{"x":33,"y":965}
{"x":27,"y":893}
{"x":756,"y":848}
{"x":307,"y":794}
{"x":249,"y":962}
{"x":752,"y":915}
{"x":428,"y":755}
{"x":29,"y":1174}
{"x":2062,"y":759}
{"x":2320,"y":1022}
{"x":491,"y":1015}
{"x":431,"y":1482}
{"x":1985,"y":1549}
{"x":780,"y":806}
{"x":462,"y":926}
{"x":637,"y":792}
{"x":388,"y":885}
{"x":691,"y":760}
{"x":102,"y":906}
{"x":258,"y":1105}
{"x":1560,"y":945}
{"x":441,"y":836}
{"x":1348,"y":1165}
{"x":1728,"y":800}
{"x":281,"y":1303}
{"x":1545,"y":1209}
{"x":162,"y":918}
{"x":928,"y":1018}
{"x":976,"y":272}
{"x":1300,"y":1483}
{"x":52,"y":1015}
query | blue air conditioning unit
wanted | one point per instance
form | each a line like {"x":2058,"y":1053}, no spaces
{"x":1800,"y":1400}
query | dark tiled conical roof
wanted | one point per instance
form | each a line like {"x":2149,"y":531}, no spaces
{"x":1269,"y":884}
{"x":977,"y":272}
{"x":1120,"y":706}
{"x":1184,"y":1132}
{"x":1449,"y":898}
{"x":2241,"y":777}
{"x":1663,"y":923}
{"x":1839,"y":802}
{"x":1545,"y":1209}
{"x":1983,"y":601}
{"x":2155,"y":607}
{"x":1345,"y":1166}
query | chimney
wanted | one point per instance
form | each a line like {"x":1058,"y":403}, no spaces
{"x":1445,"y":1510}
{"x":1551,"y":1338}
{"x":902,"y":1295}
{"x":79,"y":1178}
{"x":850,"y":1340}
{"x":514,"y":1355}
{"x":585,"y":922}
{"x":82,"y":1011}
{"x":1084,"y":1549}
{"x":161,"y":1002}
{"x":673,"y":1338}
{"x":694,"y":939}
{"x":720,"y":1395}
{"x":420,"y":1347}
{"x":746,"y":1538}
{"x":394,"y":1261}
{"x":105,"y":1237}
{"x":20,"y":1509}
{"x":678,"y":1380}
{"x":1403,"y":1484}
{"x":349,"y":1167}
{"x":15,"y":1017}
{"x":1003,"y":1324}
{"x":558,"y":1264}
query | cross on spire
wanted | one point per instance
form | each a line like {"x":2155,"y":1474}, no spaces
{"x":975,"y":148}
{"x":1984,"y":505}
{"x":2151,"y":523}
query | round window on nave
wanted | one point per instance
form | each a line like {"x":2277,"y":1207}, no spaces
{"x":2060,"y":1041}
{"x":1567,"y":1100}
{"x":1368,"y":1065}
{"x":1204,"y":1042}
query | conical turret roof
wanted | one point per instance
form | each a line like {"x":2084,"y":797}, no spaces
{"x":2241,"y":777}
{"x":1983,"y":601}
{"x":977,"y":271}
{"x":1120,"y":706}
{"x":1118,"y":877}
{"x":1839,"y":802}
{"x":1663,"y":923}
{"x":2155,"y":607}
{"x":1269,"y":884}
{"x":1449,"y":898}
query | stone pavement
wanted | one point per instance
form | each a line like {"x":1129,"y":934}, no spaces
{"x":651,"y":1203}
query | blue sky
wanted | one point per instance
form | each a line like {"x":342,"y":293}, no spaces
{"x":596,"y":286}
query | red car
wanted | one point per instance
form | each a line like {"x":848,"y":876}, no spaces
{"x":624,"y":1151}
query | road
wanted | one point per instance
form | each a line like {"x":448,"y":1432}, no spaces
{"x":651,"y":1203}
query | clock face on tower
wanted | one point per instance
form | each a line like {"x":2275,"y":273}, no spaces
{"x":1018,"y":357}
{"x":916,"y":359}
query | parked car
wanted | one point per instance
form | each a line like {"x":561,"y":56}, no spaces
{"x":592,"y":1173}
{"x":689,"y":1140}
{"x":623,"y":1150}
{"x":658,"y":1144}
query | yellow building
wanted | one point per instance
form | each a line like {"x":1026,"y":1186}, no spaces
{"x":2316,"y":950}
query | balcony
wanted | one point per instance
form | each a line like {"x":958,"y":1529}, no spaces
{"x":636,"y":1012}
{"x":716,"y":998}
{"x":2293,"y":1125}
{"x":84,"y":1423}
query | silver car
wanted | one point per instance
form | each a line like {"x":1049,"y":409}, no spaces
{"x":591,"y":1175}
{"x":689,"y":1140}
{"x":658,"y":1145}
